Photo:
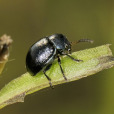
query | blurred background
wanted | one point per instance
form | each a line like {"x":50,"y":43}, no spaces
{"x":28,"y":21}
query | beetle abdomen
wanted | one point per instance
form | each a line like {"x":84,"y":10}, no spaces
{"x":38,"y":55}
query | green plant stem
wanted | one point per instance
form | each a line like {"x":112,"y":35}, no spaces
{"x":94,"y":60}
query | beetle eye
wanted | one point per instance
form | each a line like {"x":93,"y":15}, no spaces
{"x":66,"y":46}
{"x":69,"y":51}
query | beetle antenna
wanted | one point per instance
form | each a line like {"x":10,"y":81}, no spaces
{"x":82,"y":40}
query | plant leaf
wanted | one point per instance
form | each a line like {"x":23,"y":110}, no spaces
{"x":94,"y":60}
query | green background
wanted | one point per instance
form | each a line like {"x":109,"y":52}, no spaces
{"x":28,"y":21}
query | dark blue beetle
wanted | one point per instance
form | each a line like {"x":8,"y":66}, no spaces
{"x":42,"y":54}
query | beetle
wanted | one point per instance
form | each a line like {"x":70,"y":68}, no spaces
{"x":42,"y":54}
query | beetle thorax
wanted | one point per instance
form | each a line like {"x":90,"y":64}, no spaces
{"x":60,"y":42}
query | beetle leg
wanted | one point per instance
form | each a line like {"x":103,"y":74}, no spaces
{"x":59,"y":61}
{"x":72,"y":58}
{"x":49,"y":79}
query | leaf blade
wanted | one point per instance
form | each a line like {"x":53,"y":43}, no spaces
{"x":94,"y":60}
